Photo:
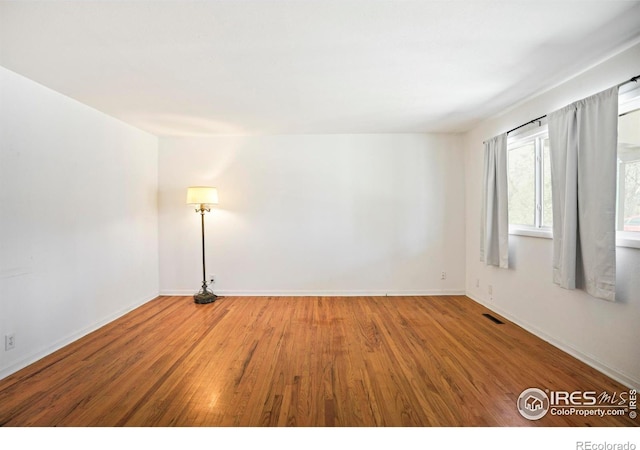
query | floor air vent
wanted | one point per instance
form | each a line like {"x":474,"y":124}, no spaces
{"x":493,"y":319}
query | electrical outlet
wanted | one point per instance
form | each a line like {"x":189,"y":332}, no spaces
{"x":212,"y":278}
{"x":443,"y":276}
{"x":9,"y":342}
{"x":477,"y":282}
{"x":490,"y":289}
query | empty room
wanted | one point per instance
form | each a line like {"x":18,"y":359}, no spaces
{"x":351,"y":213}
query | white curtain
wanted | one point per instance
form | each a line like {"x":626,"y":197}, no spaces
{"x":494,"y":232}
{"x":583,"y":146}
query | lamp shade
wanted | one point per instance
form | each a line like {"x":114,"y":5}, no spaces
{"x":202,"y":195}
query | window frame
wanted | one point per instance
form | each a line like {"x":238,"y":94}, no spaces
{"x":537,"y":133}
{"x":628,"y":101}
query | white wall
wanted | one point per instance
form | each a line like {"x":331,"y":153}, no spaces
{"x":78,"y":219}
{"x":603,"y":334}
{"x":313,"y":215}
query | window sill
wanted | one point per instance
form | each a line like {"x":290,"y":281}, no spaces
{"x":623,"y":239}
{"x":629,"y":239}
{"x":531,"y":232}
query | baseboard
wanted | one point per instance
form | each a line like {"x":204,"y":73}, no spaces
{"x":321,"y":293}
{"x":585,"y":358}
{"x":35,"y":356}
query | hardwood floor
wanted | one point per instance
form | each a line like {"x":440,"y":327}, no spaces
{"x":311,"y":361}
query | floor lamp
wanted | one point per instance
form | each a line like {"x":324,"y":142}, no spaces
{"x":204,"y":197}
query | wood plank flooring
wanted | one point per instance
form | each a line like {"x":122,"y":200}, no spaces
{"x":308,"y":361}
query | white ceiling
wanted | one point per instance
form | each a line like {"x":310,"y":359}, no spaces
{"x":190,"y":68}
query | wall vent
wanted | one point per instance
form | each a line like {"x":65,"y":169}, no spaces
{"x":493,"y":319}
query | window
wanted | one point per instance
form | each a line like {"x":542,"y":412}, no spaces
{"x":628,"y":206}
{"x":529,"y":175}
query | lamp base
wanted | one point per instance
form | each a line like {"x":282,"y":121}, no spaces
{"x":203,"y":298}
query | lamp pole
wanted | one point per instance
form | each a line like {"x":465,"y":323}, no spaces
{"x":204,"y":270}
{"x":205,"y":295}
{"x":203,"y":196}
